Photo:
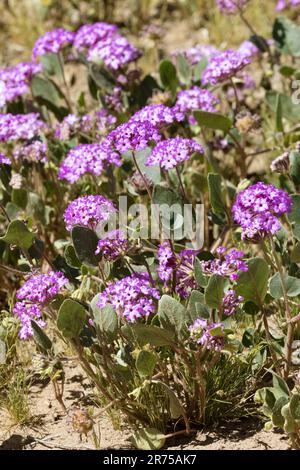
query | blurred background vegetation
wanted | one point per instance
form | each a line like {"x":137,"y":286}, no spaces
{"x":185,"y":22}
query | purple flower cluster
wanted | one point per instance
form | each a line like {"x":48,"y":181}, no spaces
{"x":113,"y":100}
{"x":282,"y":4}
{"x":27,"y":312}
{"x":35,"y":151}
{"x":257,"y":209}
{"x":158,"y":115}
{"x":14,"y":81}
{"x":86,"y":158}
{"x":116,"y":52}
{"x":132,"y":297}
{"x":20,"y":126}
{"x":88,"y":211}
{"x":171,"y":152}
{"x":37,"y":291}
{"x":227,"y":264}
{"x":4,"y":160}
{"x":201,"y":333}
{"x":231,"y":7}
{"x":42,"y":288}
{"x":231,"y":302}
{"x":224,"y":66}
{"x":132,"y":135}
{"x":195,"y":98}
{"x":90,"y":34}
{"x":115,"y":244}
{"x":52,"y":42}
{"x":177,"y":267}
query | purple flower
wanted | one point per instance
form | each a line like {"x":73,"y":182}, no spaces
{"x":177,"y":268}
{"x":158,"y":115}
{"x":224,"y":66}
{"x":201,"y":333}
{"x":34,"y":152}
{"x":15,"y":80}
{"x":231,"y":302}
{"x":4,"y":160}
{"x":115,"y":244}
{"x":231,"y":7}
{"x":227,"y":264}
{"x":113,"y":100}
{"x":257,"y":209}
{"x":249,"y":50}
{"x":27,"y":312}
{"x":192,"y":99}
{"x":132,"y":297}
{"x":116,"y":52}
{"x":20,"y":126}
{"x":52,"y":42}
{"x":90,"y":34}
{"x":86,"y":158}
{"x":282,"y":4}
{"x":42,"y":288}
{"x":132,"y":136}
{"x":88,"y":211}
{"x":171,"y":152}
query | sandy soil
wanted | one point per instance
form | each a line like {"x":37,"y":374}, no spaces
{"x":51,"y":428}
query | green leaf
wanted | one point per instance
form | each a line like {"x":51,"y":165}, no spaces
{"x":279,"y":123}
{"x":85,"y":243}
{"x":289,"y":109}
{"x":199,"y":69}
{"x":176,"y":409}
{"x":148,"y":439}
{"x":20,"y":197}
{"x":18,"y":234}
{"x":101,"y":77}
{"x":163,"y":195}
{"x":287,"y":36}
{"x":201,"y":279}
{"x":51,"y":64}
{"x":253,"y":284}
{"x":105,"y":318}
{"x":71,"y":318}
{"x":280,"y":385}
{"x":71,"y":258}
{"x":294,"y":215}
{"x":295,"y":167}
{"x":215,"y":193}
{"x":292,"y":286}
{"x":277,"y":418}
{"x":184,"y":69}
{"x":168,"y":76}
{"x":196,"y":306}
{"x":145,"y":363}
{"x":42,"y":88}
{"x":295,"y":406}
{"x":172,"y":315}
{"x":214,"y":291}
{"x":152,"y":172}
{"x":214,"y":121}
{"x":40,"y":337}
{"x":148,"y":334}
{"x":295,"y":255}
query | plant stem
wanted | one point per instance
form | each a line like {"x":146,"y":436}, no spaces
{"x":141,"y":175}
{"x":288,"y":315}
{"x":181,"y":184}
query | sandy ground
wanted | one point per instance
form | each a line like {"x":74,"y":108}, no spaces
{"x":51,"y":428}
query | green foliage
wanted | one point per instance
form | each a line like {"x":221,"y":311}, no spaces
{"x":71,"y":318}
